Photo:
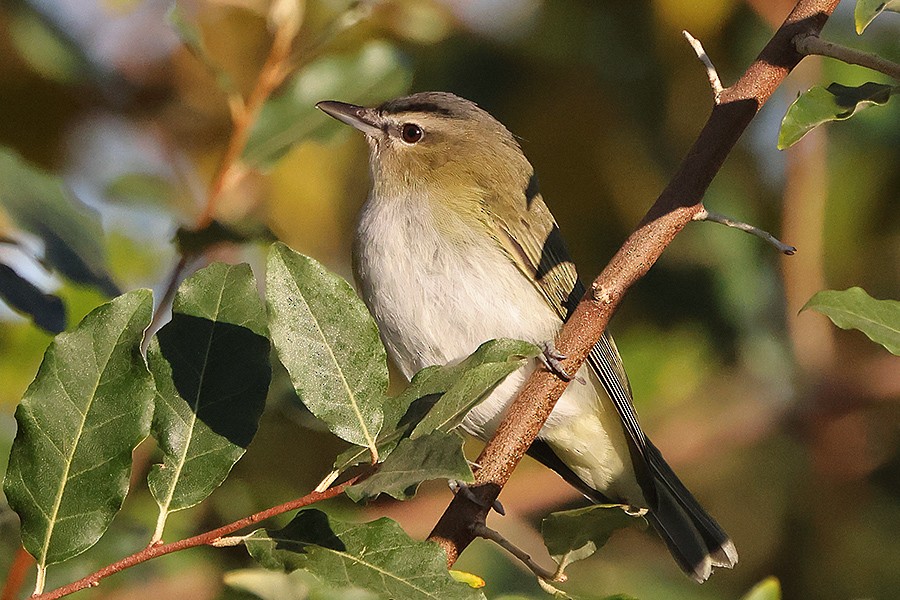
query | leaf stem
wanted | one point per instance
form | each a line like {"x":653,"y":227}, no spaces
{"x":807,"y":44}
{"x":209,"y":538}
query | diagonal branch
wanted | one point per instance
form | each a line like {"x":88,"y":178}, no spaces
{"x":679,"y":202}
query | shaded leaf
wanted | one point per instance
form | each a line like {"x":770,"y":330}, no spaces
{"x":211,"y":368}
{"x":329,"y":345}
{"x":195,"y":241}
{"x":437,"y":455}
{"x":576,"y":534}
{"x":88,"y":407}
{"x":375,"y":72}
{"x":39,"y":202}
{"x":46,"y":310}
{"x":423,"y":396}
{"x":376,"y":556}
{"x":767,"y":589}
{"x":867,"y":10}
{"x":835,"y":103}
{"x":855,"y":309}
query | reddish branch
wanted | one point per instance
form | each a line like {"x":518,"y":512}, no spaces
{"x":679,"y":202}
{"x":204,"y":539}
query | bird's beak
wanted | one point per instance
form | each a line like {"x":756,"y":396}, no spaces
{"x":359,"y":117}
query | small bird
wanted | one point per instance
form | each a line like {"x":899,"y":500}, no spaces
{"x":454,"y":247}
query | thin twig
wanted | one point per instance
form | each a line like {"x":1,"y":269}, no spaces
{"x":209,"y":538}
{"x":672,"y":211}
{"x":705,"y":215}
{"x":807,"y":43}
{"x":483,"y":531}
{"x":714,"y":82}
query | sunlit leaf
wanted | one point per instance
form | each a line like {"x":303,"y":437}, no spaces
{"x":867,"y":10}
{"x":470,"y":579}
{"x":434,"y":456}
{"x":377,"y":72}
{"x":767,"y":589}
{"x":855,"y":309}
{"x":211,"y":367}
{"x":46,"y":310}
{"x":576,"y":534}
{"x":835,"y":103}
{"x":39,"y":202}
{"x":329,"y":345}
{"x":464,"y":384}
{"x":376,"y":556}
{"x":89,"y":405}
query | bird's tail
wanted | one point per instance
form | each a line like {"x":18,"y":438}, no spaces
{"x":693,"y":537}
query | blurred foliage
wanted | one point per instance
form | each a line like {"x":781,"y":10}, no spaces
{"x":785,"y":427}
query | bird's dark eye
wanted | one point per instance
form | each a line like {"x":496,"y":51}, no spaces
{"x":411,"y":133}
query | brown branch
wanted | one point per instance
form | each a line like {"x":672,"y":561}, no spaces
{"x":204,"y":539}
{"x":679,"y":202}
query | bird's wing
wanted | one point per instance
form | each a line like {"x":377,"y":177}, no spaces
{"x":532,"y":239}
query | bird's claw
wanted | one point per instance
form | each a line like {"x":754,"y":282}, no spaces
{"x":552,"y":359}
{"x":460,"y":487}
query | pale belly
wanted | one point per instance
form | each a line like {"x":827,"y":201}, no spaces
{"x":435,"y":303}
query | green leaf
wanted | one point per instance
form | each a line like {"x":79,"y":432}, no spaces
{"x":88,"y":407}
{"x":576,"y":534}
{"x":867,"y":10}
{"x":298,"y":585}
{"x":767,"y":589}
{"x":437,"y":455}
{"x":443,"y":395}
{"x":835,"y":103}
{"x":212,"y":371}
{"x":375,"y":72}
{"x":376,"y":556}
{"x":39,"y":202}
{"x":855,"y":309}
{"x":46,"y":310}
{"x":329,"y":345}
{"x":140,"y":188}
{"x":192,"y":242}
{"x":191,"y":37}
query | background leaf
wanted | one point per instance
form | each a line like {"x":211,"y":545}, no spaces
{"x":437,"y":455}
{"x":39,"y":203}
{"x":328,"y":343}
{"x":867,"y":10}
{"x":211,"y":367}
{"x":46,"y":310}
{"x":820,"y":105}
{"x":373,"y":73}
{"x":192,"y":38}
{"x":88,"y":407}
{"x":855,"y":309}
{"x":298,"y":585}
{"x":576,"y":534}
{"x":376,"y":556}
{"x":767,"y":589}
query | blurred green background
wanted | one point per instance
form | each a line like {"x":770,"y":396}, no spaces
{"x":786,"y":428}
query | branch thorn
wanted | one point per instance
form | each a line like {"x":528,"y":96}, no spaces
{"x":714,"y":82}
{"x":705,"y":215}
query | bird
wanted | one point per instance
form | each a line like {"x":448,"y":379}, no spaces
{"x":455,"y":246}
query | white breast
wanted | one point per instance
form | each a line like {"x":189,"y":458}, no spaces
{"x":435,"y":302}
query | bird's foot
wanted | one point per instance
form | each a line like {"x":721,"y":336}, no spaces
{"x":552,"y":359}
{"x":460,"y":487}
